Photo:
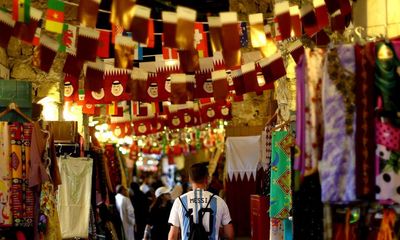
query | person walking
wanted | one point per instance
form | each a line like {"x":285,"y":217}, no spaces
{"x":141,"y":207}
{"x":126,"y":212}
{"x":199,"y":211}
{"x":158,"y":226}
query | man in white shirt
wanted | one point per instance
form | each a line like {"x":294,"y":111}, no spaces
{"x":199,"y":201}
{"x":126,"y":212}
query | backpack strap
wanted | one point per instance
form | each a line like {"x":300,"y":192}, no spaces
{"x":208,"y":204}
{"x":183,"y":205}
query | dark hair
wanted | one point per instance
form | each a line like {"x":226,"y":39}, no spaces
{"x":198,"y":172}
{"x":119,"y":188}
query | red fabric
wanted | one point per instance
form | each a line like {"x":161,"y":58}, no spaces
{"x":151,"y":39}
{"x":297,"y":53}
{"x":6,"y":32}
{"x":209,"y":113}
{"x":238,"y":193}
{"x":322,"y":15}
{"x":47,"y":57}
{"x":176,"y":120}
{"x":296,"y":25}
{"x":221,"y":89}
{"x":26,"y":31}
{"x":188,"y":117}
{"x":118,"y":129}
{"x":152,"y":88}
{"x":157,"y":124}
{"x":73,"y":65}
{"x":274,"y":70}
{"x":142,"y":127}
{"x":71,"y":87}
{"x":310,"y":23}
{"x":87,"y":48}
{"x":204,"y":88}
{"x":225,"y":111}
{"x":164,"y":82}
{"x":115,"y":30}
{"x":93,"y":97}
{"x":103,"y":49}
{"x":94,"y":79}
{"x":200,"y":40}
{"x":115,"y":84}
{"x":169,"y":53}
{"x":189,"y":60}
{"x":338,"y":23}
{"x":250,"y":81}
{"x":91,"y":109}
{"x":284,"y":24}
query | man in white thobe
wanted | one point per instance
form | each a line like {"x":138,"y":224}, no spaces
{"x":126,"y":212}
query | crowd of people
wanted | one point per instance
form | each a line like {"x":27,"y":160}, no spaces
{"x":155,"y":211}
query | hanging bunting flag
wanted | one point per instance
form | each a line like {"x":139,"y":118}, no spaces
{"x":338,"y":22}
{"x":200,"y":40}
{"x":185,"y":27}
{"x":321,"y":13}
{"x":170,"y":20}
{"x":36,"y":38}
{"x":272,"y":67}
{"x":87,"y":12}
{"x":45,"y":54}
{"x":122,"y":13}
{"x":103,"y":49}
{"x":257,"y":34}
{"x":345,"y":7}
{"x":189,"y":60}
{"x":26,"y":31}
{"x":332,"y":5}
{"x":220,"y":85}
{"x":6,"y":28}
{"x":244,"y":39}
{"x":21,"y":10}
{"x":91,"y":109}
{"x":88,"y":40}
{"x":238,"y":82}
{"x":150,"y":33}
{"x":71,"y":87}
{"x":81,"y":97}
{"x":250,"y":77}
{"x":152,"y":88}
{"x":68,"y":38}
{"x":55,"y":16}
{"x":115,"y":31}
{"x":140,"y":24}
{"x":114,"y":110}
{"x":73,"y":65}
{"x":230,"y":39}
{"x":94,"y":78}
{"x":124,"y":52}
{"x":138,"y":55}
{"x":138,"y":84}
{"x":178,"y":88}
{"x":142,"y":127}
{"x":204,"y":87}
{"x":169,"y":53}
{"x":282,"y":14}
{"x":115,"y":85}
{"x":164,"y":81}
{"x":309,"y":20}
{"x":296,"y":49}
{"x":214,"y":26}
{"x":295,"y":22}
{"x":190,"y":83}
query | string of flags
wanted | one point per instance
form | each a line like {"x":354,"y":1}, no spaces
{"x":195,"y":75}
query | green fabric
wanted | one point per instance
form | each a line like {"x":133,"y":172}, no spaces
{"x":56,"y":5}
{"x":388,"y":82}
{"x":27,"y":11}
{"x":281,"y":175}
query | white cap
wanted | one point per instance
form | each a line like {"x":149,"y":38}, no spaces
{"x":162,"y":190}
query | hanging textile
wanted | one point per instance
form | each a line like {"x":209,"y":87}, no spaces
{"x":387,"y":80}
{"x":5,"y":176}
{"x":74,"y":196}
{"x":114,"y":170}
{"x":242,"y":157}
{"x":337,"y":167}
{"x":281,"y":229}
{"x":23,"y":202}
{"x":365,"y":115}
{"x":281,"y":175}
{"x":48,"y":210}
{"x":387,"y":175}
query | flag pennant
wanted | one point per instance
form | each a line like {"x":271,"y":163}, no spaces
{"x":68,"y":38}
{"x":151,"y":39}
{"x":185,"y":27}
{"x":94,"y":79}
{"x":200,"y":40}
{"x":71,"y":87}
{"x":282,"y":14}
{"x":55,"y":16}
{"x":214,"y":24}
{"x":309,"y":20}
{"x":88,"y":40}
{"x":112,"y":108}
{"x":257,"y":34}
{"x":26,"y":31}
{"x":116,"y":30}
{"x":170,"y":53}
{"x":178,"y":88}
{"x":220,"y":85}
{"x":138,"y":84}
{"x":238,"y":82}
{"x":73,"y":65}
{"x":250,"y":77}
{"x":272,"y":67}
{"x":36,"y":38}
{"x":295,"y":22}
{"x":230,"y":39}
{"x":87,"y":12}
{"x":138,"y":55}
{"x":122,"y":13}
{"x":21,"y":10}
{"x":6,"y":28}
{"x":103,"y":49}
{"x":46,"y":53}
{"x":169,"y":29}
{"x":124,"y":52}
{"x":115,"y":85}
{"x":140,"y":24}
{"x":321,"y":13}
{"x":244,"y":39}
